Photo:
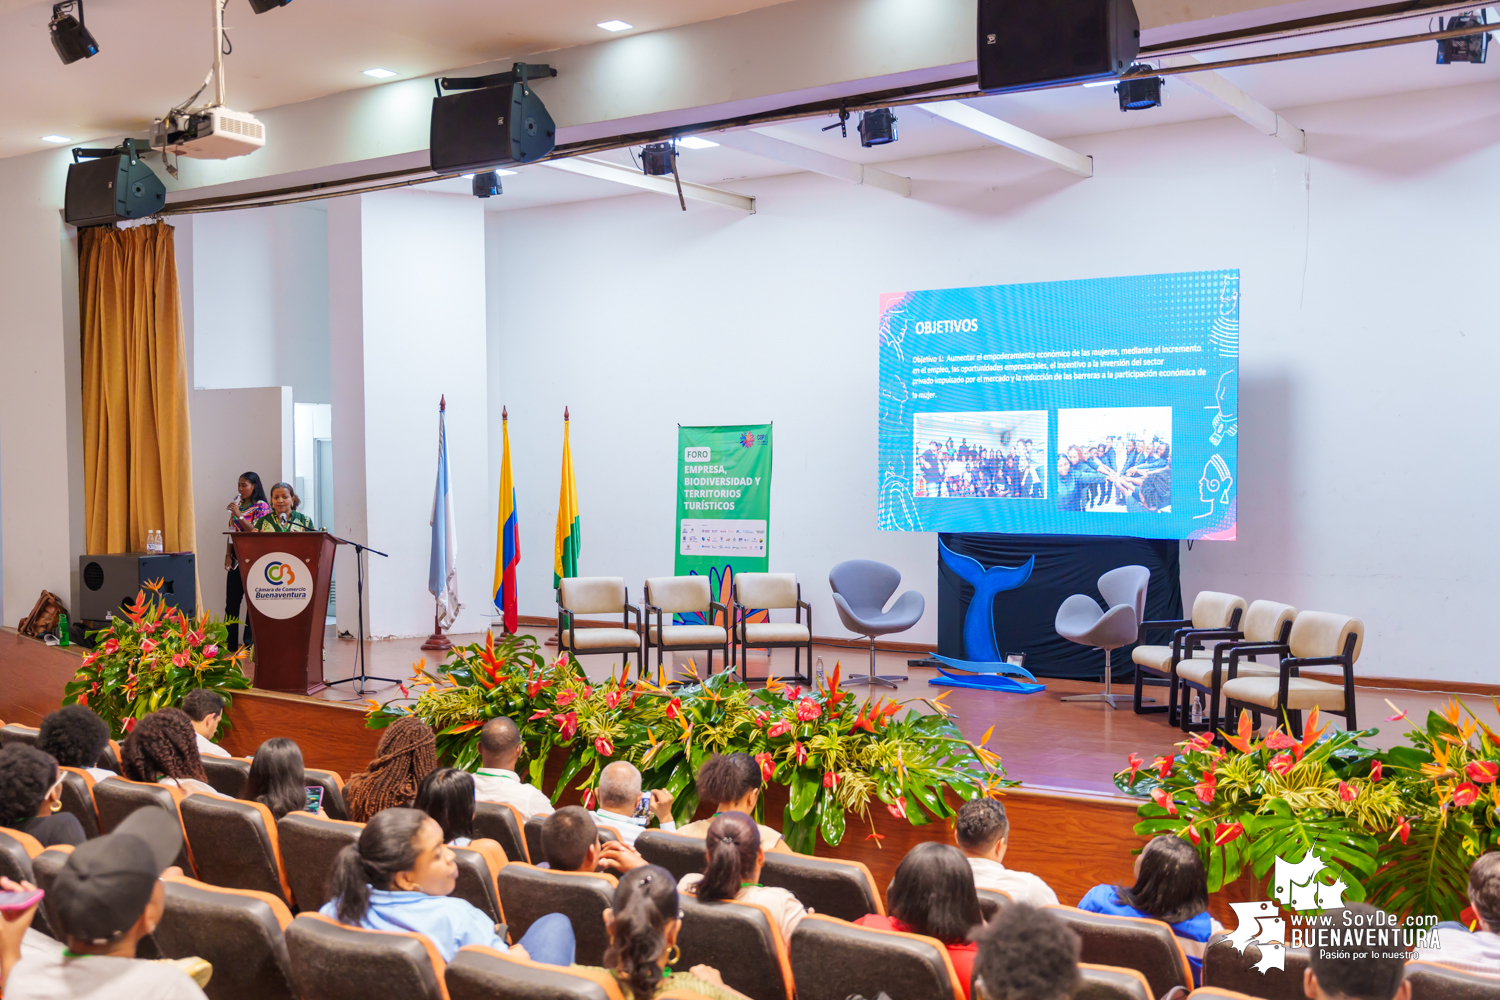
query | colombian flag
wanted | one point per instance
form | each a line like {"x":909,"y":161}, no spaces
{"x":569,"y":539}
{"x":508,"y":538}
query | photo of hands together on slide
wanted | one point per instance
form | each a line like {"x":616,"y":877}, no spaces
{"x":1115,"y":459}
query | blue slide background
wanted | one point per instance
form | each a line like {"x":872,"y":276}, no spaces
{"x":1186,"y":322}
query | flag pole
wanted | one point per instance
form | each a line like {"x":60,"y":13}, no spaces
{"x":437,"y":640}
{"x":554,"y":639}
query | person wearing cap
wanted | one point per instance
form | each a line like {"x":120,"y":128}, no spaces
{"x":107,"y":896}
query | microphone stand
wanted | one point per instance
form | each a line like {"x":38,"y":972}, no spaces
{"x":359,"y":656}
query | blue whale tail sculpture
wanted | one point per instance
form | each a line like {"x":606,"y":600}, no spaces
{"x":979,"y":623}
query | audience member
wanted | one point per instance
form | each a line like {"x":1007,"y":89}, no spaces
{"x":447,"y":795}
{"x":734,"y":859}
{"x":31,"y":797}
{"x":1479,"y":950}
{"x":933,"y":894}
{"x":570,"y":843}
{"x":277,"y":779}
{"x":397,"y":877}
{"x":75,"y":736}
{"x":1025,"y":954}
{"x":107,"y":896}
{"x":1357,"y":972}
{"x":497,"y":781}
{"x":406,"y":754}
{"x":643,"y":921}
{"x":983,"y":834}
{"x":620,"y":800}
{"x":732,"y":782}
{"x":161,"y":748}
{"x":1170,"y":886}
{"x":206,"y":708}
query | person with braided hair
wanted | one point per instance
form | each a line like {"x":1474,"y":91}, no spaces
{"x":407,"y":753}
{"x":163,"y":749}
{"x":733,"y":860}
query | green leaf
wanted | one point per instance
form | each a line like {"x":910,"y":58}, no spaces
{"x":831,"y":819}
{"x":1429,"y":874}
{"x":804,"y":793}
{"x":801,"y":834}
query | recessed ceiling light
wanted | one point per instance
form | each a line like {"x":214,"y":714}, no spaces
{"x":694,"y":142}
{"x":56,"y":138}
{"x":1102,"y":83}
{"x":379,"y":74}
{"x":616,"y":25}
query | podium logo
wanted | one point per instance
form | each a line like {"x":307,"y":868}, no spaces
{"x":281,"y":585}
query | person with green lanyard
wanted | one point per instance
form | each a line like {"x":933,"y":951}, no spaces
{"x":734,"y":859}
{"x":284,"y":515}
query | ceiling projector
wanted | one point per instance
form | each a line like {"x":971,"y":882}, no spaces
{"x":210,"y":131}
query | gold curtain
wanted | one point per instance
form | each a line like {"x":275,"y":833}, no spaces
{"x":138,"y":465}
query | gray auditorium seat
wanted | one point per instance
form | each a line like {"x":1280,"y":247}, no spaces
{"x":843,"y":889}
{"x":1148,"y":946}
{"x":238,"y":932}
{"x":332,"y":962}
{"x":308,"y":846}
{"x":235,"y":845}
{"x":502,"y":824}
{"x":1434,"y":981}
{"x":1108,"y":982}
{"x":833,"y":959}
{"x":227,"y":774}
{"x":531,"y":893}
{"x":479,"y":973}
{"x":678,"y":854}
{"x":78,"y":799}
{"x":1226,"y":967}
{"x":741,"y":940}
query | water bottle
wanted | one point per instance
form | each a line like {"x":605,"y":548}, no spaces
{"x":822,"y":679}
{"x":1197,"y":712}
{"x":62,"y":629}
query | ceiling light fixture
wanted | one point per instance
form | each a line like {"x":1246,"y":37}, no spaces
{"x":56,"y":138}
{"x":1141,"y":93}
{"x":261,"y":6}
{"x":1101,"y":83}
{"x":657,"y":158}
{"x":1463,"y":48}
{"x":615,"y":25}
{"x":694,"y":142}
{"x":379,"y":74}
{"x":876,"y":128}
{"x":70,"y":38}
{"x":487,"y":184}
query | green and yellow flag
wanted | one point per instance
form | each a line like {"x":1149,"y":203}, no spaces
{"x":569,"y":538}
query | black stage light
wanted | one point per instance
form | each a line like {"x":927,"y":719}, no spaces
{"x":261,"y":6}
{"x":656,"y":159}
{"x":70,"y":38}
{"x":1464,"y":48}
{"x":487,"y":184}
{"x":1141,"y":93}
{"x":876,"y":128}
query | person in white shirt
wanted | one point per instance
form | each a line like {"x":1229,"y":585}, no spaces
{"x":620,"y":799}
{"x":733,"y":858}
{"x":497,"y":780}
{"x":1473,"y":951}
{"x":206,"y":709}
{"x":982,"y":832}
{"x":75,"y":737}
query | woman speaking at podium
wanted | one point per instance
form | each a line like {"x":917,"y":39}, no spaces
{"x":284,"y":515}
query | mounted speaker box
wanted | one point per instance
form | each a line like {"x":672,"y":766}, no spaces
{"x":113,"y":187}
{"x":489,"y":127}
{"x":1030,"y":44}
{"x":109,"y":582}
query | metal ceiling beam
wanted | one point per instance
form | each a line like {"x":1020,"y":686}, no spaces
{"x":770,"y":148}
{"x":606,"y":171}
{"x":1010,"y":136}
{"x":1238,"y":103}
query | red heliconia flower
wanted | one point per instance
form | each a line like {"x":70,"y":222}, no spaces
{"x":130,"y":724}
{"x":1376,"y":770}
{"x":112,"y":646}
{"x":674,"y":708}
{"x":898,"y":808}
{"x":566,"y":698}
{"x":781,"y":728}
{"x":800,"y":753}
{"x":88,"y":661}
{"x":535,"y":685}
{"x":1403,"y":829}
{"x":1281,"y":764}
{"x":1483,"y":771}
{"x":1163,"y":767}
{"x":1280,"y":741}
{"x":604,"y":747}
{"x":612,"y":700}
{"x":808,"y":709}
{"x":1161,"y":798}
{"x":1347,"y":792}
{"x":831,"y":779}
{"x":147,"y":645}
{"x":1135,"y":762}
{"x":567,"y":724}
{"x":402,"y":687}
{"x":1465,"y":794}
{"x":210,"y":651}
{"x":1205,"y":787}
{"x":1225,"y":832}
{"x":1194,"y":835}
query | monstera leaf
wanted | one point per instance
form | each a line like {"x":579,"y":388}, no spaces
{"x":1427,"y":875}
{"x":1282,"y":833}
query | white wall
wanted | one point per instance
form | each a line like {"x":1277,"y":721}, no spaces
{"x":1367,"y":352}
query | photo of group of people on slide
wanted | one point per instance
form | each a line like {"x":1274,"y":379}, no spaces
{"x":1109,"y":459}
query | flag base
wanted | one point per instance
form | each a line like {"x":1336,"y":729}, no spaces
{"x":437,"y":640}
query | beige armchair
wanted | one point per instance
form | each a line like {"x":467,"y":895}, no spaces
{"x":685,"y":595}
{"x":1266,"y":627}
{"x":771,"y":591}
{"x":1212,"y":612}
{"x":598,"y":595}
{"x":1317,"y":639}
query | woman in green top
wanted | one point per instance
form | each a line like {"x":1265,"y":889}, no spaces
{"x":643,"y":921}
{"x":284,"y":516}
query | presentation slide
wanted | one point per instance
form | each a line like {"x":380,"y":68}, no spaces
{"x":1105,"y":406}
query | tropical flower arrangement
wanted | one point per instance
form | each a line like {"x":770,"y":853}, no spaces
{"x":835,"y":753}
{"x":150,"y":658}
{"x":1398,"y":827}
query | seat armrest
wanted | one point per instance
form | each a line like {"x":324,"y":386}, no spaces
{"x":1313,"y":661}
{"x":1165,"y":624}
{"x":1191,"y":636}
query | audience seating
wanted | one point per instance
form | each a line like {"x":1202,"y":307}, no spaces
{"x":308,"y":846}
{"x":833,"y":959}
{"x":227,"y":774}
{"x":503,"y":824}
{"x":78,"y":799}
{"x":44,"y":868}
{"x":17,"y":850}
{"x":14,"y":733}
{"x":478,"y":865}
{"x":532,"y":829}
{"x":1213,"y":614}
{"x":235,"y":845}
{"x":990,"y":902}
{"x":333,"y":792}
{"x":1226,"y":968}
{"x":594,"y":595}
{"x":678,"y":854}
{"x":116,"y":798}
{"x":685,"y":595}
{"x":237,"y":931}
{"x":1211,"y":993}
{"x":531,"y":893}
{"x":1110,"y":982}
{"x":1131,"y":942}
{"x":1435,"y":981}
{"x":479,"y":973}
{"x":332,"y":962}
{"x":843,"y":889}
{"x":1317,"y":639}
{"x":1266,"y":627}
{"x":741,"y":940}
{"x":771,"y":591}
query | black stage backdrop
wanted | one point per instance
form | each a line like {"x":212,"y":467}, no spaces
{"x":1065,"y":565}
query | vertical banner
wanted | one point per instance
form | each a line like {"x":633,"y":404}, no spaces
{"x":723,"y":503}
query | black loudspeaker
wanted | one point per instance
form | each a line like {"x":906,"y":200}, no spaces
{"x":105,"y":190}
{"x":480,"y":129}
{"x":108,"y":583}
{"x":1028,"y":44}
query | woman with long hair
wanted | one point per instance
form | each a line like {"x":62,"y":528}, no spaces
{"x":643,"y":921}
{"x":933,"y":894}
{"x":733,"y":859}
{"x":248,"y":506}
{"x":407,"y":753}
{"x":163,"y":749}
{"x":447,"y":795}
{"x":276,"y":778}
{"x":732,"y":782}
{"x":398,"y":876}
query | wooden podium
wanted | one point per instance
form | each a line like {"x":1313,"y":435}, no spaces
{"x":286,"y":576}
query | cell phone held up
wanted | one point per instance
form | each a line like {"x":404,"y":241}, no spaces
{"x":19,"y":902}
{"x":314,"y":798}
{"x":642,"y":806}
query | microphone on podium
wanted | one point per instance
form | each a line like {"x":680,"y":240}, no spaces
{"x":283,"y":520}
